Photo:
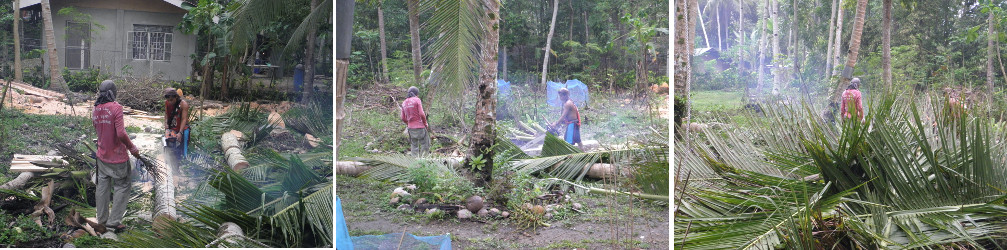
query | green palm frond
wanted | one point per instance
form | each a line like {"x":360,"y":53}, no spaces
{"x":504,"y":148}
{"x":455,"y":47}
{"x":238,"y":192}
{"x":394,"y":167}
{"x":299,"y":176}
{"x":554,"y":146}
{"x":310,"y":22}
{"x":574,"y":164}
{"x":249,"y":17}
{"x":314,"y":210}
{"x":314,"y":118}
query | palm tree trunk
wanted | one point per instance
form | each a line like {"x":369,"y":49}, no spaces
{"x":223,"y":82}
{"x":777,"y":76}
{"x":483,"y":133}
{"x":344,"y":33}
{"x":384,"y":53}
{"x":989,"y":60}
{"x":702,"y":24}
{"x":55,"y":77}
{"x":309,"y":62}
{"x":682,"y":54}
{"x":839,"y":36}
{"x":17,"y":43}
{"x":886,"y":50}
{"x":851,"y":60}
{"x":504,"y":57}
{"x":414,"y":33}
{"x":207,"y":71}
{"x":762,"y":53}
{"x":832,"y":35}
{"x":548,"y":44}
{"x":720,"y":40}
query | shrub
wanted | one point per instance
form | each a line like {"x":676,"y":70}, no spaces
{"x":85,"y":80}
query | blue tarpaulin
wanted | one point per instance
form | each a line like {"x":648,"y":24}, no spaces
{"x":503,"y":89}
{"x":342,"y":234}
{"x":387,"y":241}
{"x":578,"y":92}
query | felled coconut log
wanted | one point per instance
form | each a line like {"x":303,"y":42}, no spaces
{"x":19,"y":181}
{"x":232,"y":152}
{"x":164,"y":193}
{"x":226,"y":233}
{"x":350,"y":168}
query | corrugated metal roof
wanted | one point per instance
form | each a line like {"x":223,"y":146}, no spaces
{"x":29,"y":3}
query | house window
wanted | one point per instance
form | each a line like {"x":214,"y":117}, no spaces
{"x":78,"y":45}
{"x":150,"y":42}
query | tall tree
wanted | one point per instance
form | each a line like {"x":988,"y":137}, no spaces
{"x":720,"y":40}
{"x":55,"y":78}
{"x":17,"y":42}
{"x":483,"y":133}
{"x":839,"y":35}
{"x":774,"y":8}
{"x":989,"y":58}
{"x":763,"y":43}
{"x":548,"y":44}
{"x":309,"y":62}
{"x":683,"y":55}
{"x":414,"y":33}
{"x":851,"y":60}
{"x":384,"y":46}
{"x":832,"y":35}
{"x":886,"y":41}
{"x":344,"y":34}
{"x":702,"y":24}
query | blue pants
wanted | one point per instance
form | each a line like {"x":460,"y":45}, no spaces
{"x":185,"y":142}
{"x":572,"y":134}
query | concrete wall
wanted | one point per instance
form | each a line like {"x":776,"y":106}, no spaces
{"x":109,"y":48}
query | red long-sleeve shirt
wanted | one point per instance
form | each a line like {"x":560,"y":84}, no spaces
{"x":113,"y":143}
{"x":412,"y":113}
{"x":852,"y":95}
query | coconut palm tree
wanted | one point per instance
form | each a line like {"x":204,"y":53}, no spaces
{"x":851,"y":60}
{"x":886,"y":40}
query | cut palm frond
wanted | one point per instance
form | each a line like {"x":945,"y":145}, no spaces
{"x":454,"y":50}
{"x":575,"y":166}
{"x":315,"y":210}
{"x":394,"y":167}
{"x":239,"y":193}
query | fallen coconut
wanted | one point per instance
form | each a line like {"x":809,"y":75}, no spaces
{"x":431,"y":211}
{"x":395,"y":200}
{"x":538,"y":210}
{"x":464,"y":214}
{"x":399,"y":191}
{"x":474,"y":203}
{"x":483,"y":212}
{"x":419,"y":201}
{"x":576,"y":206}
{"x":505,"y":214}
{"x":404,"y":207}
{"x":494,"y":211}
{"x":548,"y":215}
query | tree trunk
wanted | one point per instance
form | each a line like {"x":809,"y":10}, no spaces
{"x":224,"y":80}
{"x":414,"y":33}
{"x":851,"y":60}
{"x":832,"y":35}
{"x":763,"y":34}
{"x":839,"y":36}
{"x":17,"y":42}
{"x":309,"y":62}
{"x":344,"y":33}
{"x":989,"y":59}
{"x":164,"y":193}
{"x":504,"y":57}
{"x":483,"y":133}
{"x":886,"y":41}
{"x":777,"y":76}
{"x":232,"y":151}
{"x":741,"y":22}
{"x":587,"y":30}
{"x":702,"y":24}
{"x":207,"y":71}
{"x":55,"y":78}
{"x":548,"y":45}
{"x":226,"y":233}
{"x":384,"y":53}
{"x":350,"y":168}
{"x":720,"y":39}
{"x":569,"y":35}
{"x":18,"y":182}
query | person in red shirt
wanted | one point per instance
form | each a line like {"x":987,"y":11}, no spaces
{"x":113,"y":162}
{"x":413,"y":116}
{"x":852,"y":105}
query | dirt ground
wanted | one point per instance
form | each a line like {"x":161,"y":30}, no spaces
{"x":603,"y":221}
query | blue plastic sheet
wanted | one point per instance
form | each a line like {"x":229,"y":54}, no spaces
{"x":578,"y":92}
{"x":503,"y":89}
{"x":392,"y":241}
{"x":342,"y":234}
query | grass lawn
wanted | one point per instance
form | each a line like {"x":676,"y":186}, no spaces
{"x":35,"y":134}
{"x":716,"y":100}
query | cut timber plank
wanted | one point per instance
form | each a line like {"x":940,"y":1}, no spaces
{"x":21,"y":167}
{"x":148,"y":117}
{"x":31,"y":158}
{"x":22,"y":163}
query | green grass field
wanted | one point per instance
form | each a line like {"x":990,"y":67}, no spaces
{"x":716,"y":100}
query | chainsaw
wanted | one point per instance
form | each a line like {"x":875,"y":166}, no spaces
{"x":171,"y":138}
